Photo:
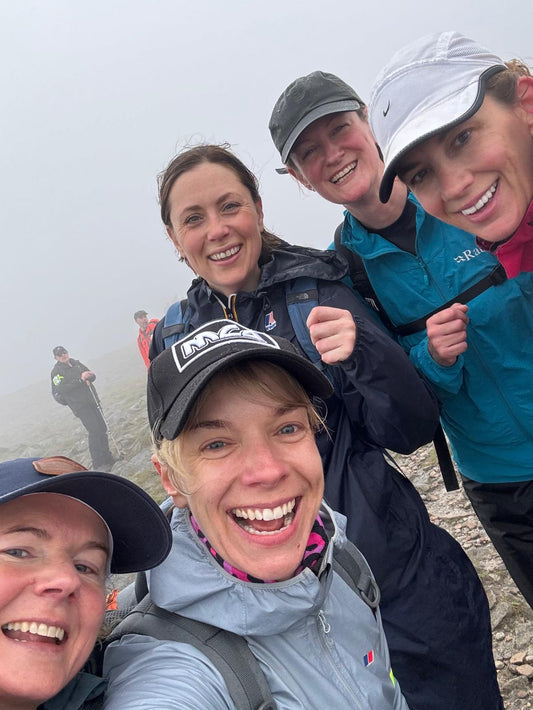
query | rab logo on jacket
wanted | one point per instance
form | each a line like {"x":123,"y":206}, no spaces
{"x":214,"y":340}
{"x":270,"y":321}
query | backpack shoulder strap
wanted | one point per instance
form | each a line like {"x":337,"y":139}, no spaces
{"x":359,"y":278}
{"x":496,"y":277}
{"x":350,"y":564}
{"x":302,"y":296}
{"x":177,"y":322}
{"x":228,"y":652}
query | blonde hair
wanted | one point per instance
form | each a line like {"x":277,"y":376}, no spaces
{"x":249,"y":378}
{"x":502,"y":86}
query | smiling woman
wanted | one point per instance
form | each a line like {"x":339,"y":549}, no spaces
{"x":455,"y":123}
{"x":60,"y":535}
{"x":254,"y":543}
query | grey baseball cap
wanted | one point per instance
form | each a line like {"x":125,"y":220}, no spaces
{"x":304,"y":101}
{"x":428,"y":86}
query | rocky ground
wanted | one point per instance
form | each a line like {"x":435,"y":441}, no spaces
{"x":512,"y":619}
{"x":34,"y":425}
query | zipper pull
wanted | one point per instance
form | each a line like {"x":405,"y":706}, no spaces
{"x":326,"y":628}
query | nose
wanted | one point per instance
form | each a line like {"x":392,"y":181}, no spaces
{"x":216,"y":227}
{"x":263,"y":465}
{"x":333,"y":153}
{"x":453,"y":181}
{"x":59,"y":579}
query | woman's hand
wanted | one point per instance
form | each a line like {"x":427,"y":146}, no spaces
{"x":333,"y":333}
{"x":447,"y":334}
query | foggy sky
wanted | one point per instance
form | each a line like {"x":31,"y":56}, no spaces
{"x":97,"y":97}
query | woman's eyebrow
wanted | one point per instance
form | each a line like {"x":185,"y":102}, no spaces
{"x":44,"y":535}
{"x":209,"y":424}
{"x":38,"y":532}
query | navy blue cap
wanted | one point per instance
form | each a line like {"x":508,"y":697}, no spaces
{"x":141,"y":533}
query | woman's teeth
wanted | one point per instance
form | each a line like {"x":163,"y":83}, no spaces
{"x":265,"y":513}
{"x":482,"y":201}
{"x":224,"y":254}
{"x":39,"y":629}
{"x":348,"y":169}
{"x":283,"y":512}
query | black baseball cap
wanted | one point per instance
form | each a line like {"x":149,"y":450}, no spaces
{"x":307,"y":99}
{"x":141,"y":533}
{"x":59,"y":350}
{"x":177,"y":376}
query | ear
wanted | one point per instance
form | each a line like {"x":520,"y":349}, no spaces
{"x":524,"y":93}
{"x":174,"y":240}
{"x":300,"y":178}
{"x":168,"y":483}
{"x":259,"y":208}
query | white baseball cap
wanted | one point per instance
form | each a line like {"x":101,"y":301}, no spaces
{"x":429,"y":85}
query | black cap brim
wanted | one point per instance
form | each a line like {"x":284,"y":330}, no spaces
{"x":307,"y":374}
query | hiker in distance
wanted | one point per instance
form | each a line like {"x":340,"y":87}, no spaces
{"x":62,"y":530}
{"x":472,"y":165}
{"x":72,"y":385}
{"x":253,"y":542}
{"x":146,"y":331}
{"x":212,"y":210}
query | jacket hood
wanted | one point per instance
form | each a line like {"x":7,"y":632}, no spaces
{"x":289,"y":262}
{"x":293,"y":262}
{"x":192,"y":583}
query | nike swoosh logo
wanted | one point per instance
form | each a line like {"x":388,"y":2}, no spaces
{"x":386,"y":111}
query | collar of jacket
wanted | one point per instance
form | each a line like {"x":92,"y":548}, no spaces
{"x":191,"y":582}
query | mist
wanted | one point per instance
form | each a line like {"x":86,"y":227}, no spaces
{"x":96,"y":99}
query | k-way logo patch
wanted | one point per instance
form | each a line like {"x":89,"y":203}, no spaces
{"x":270,"y":321}
{"x":214,"y":340}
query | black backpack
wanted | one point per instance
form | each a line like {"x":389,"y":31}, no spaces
{"x":361,"y":282}
{"x":228,"y":652}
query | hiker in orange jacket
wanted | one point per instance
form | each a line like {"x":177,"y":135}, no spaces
{"x":146,"y":329}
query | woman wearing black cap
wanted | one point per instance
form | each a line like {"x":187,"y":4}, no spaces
{"x":255,"y":547}
{"x":319,"y":125}
{"x":62,"y":530}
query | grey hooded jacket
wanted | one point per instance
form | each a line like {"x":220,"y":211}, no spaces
{"x":318,"y":643}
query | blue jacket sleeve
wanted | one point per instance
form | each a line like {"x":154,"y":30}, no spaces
{"x":446,"y":381}
{"x":380,"y":387}
{"x":144,"y":673}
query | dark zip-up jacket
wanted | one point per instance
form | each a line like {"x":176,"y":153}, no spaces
{"x":380,"y":403}
{"x":66,"y":379}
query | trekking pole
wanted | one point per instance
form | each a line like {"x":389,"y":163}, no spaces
{"x":99,"y":406}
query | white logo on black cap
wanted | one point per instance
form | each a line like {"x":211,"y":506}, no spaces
{"x":208,"y":339}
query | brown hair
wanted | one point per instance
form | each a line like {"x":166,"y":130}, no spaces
{"x":502,"y":86}
{"x":249,"y":377}
{"x":208,"y":153}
